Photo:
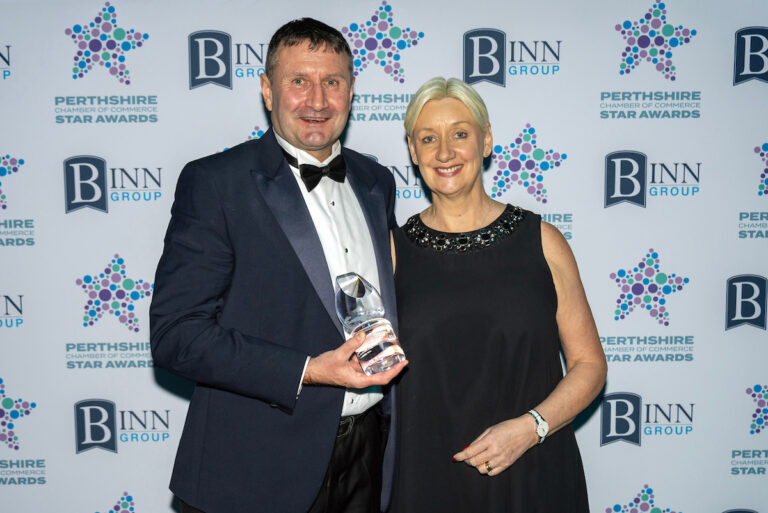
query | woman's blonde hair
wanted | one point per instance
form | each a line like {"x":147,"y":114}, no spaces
{"x":438,"y":88}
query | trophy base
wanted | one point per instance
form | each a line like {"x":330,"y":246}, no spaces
{"x":389,"y":355}
{"x":380,"y":351}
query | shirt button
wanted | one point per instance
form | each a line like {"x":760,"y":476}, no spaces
{"x":333,"y":203}
{"x":346,"y":250}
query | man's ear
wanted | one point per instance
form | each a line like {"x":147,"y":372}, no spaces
{"x":351,"y":92}
{"x":266,"y":91}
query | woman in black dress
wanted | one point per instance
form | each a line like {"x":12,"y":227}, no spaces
{"x":487,"y":296}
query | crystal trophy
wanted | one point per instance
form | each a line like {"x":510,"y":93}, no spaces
{"x":360,"y":308}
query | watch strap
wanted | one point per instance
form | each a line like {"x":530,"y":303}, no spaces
{"x":539,"y":421}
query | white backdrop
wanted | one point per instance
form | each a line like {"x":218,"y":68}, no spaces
{"x":678,"y":427}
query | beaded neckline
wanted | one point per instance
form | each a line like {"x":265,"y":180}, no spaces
{"x":425,"y":237}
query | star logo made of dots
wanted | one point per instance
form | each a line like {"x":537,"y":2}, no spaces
{"x":652,"y":39}
{"x":256,"y":133}
{"x":644,"y":501}
{"x":759,"y":421}
{"x":762,"y":188}
{"x":124,"y":504}
{"x":101,"y":41}
{"x":8,"y":167}
{"x":523,"y":163}
{"x":112,"y":293}
{"x":646,"y":287}
{"x":11,"y":410}
{"x":377,"y":42}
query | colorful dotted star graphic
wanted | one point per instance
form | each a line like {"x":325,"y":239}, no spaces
{"x":256,"y":133}
{"x":646,"y":287}
{"x":10,"y":412}
{"x":378,"y":41}
{"x":8,"y":166}
{"x":521,"y":162}
{"x":759,"y":394}
{"x":102,"y":42}
{"x":644,"y":502}
{"x":762,"y":189}
{"x":652,"y":39}
{"x":112,"y":293}
{"x":124,"y":504}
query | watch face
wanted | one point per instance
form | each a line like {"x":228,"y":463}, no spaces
{"x":541,"y":430}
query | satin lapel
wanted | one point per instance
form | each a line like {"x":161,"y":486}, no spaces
{"x":374,"y":207}
{"x":281,"y":192}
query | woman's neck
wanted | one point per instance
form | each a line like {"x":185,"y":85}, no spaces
{"x":457,"y":215}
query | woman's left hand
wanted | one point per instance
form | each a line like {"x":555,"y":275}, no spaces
{"x":500,"y":446}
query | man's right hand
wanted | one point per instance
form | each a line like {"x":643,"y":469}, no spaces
{"x":340,"y":367}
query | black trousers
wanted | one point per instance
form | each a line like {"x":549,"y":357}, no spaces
{"x":352,"y":482}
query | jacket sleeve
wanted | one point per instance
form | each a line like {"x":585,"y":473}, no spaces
{"x":191,"y":282}
{"x":389,"y":192}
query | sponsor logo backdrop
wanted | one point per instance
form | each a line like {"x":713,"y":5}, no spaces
{"x":636,"y":128}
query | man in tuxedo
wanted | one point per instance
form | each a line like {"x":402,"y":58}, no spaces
{"x":282,"y":418}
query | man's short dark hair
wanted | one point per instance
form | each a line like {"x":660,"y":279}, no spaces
{"x":317,"y":33}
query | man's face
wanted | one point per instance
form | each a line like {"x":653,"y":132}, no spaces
{"x":309,"y":96}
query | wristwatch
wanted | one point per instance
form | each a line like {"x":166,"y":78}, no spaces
{"x":542,"y":428}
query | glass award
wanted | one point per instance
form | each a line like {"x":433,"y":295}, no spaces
{"x":360,"y":308}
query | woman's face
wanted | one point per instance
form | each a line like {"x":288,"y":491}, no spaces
{"x":448,"y":145}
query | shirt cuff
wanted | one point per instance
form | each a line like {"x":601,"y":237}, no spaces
{"x":301,"y":380}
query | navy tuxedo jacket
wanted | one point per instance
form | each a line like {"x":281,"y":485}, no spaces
{"x":242,"y":296}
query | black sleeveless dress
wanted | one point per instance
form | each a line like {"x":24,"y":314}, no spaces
{"x":477,"y":322}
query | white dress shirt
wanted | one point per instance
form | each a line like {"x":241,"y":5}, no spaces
{"x":347,"y":245}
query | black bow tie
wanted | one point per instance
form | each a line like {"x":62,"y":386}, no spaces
{"x":311,"y":175}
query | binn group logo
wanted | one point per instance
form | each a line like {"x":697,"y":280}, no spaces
{"x":112,"y":293}
{"x":521,"y":162}
{"x":102,"y":42}
{"x":646,"y":287}
{"x":486,"y":58}
{"x":377,"y":42}
{"x":652,"y":39}
{"x":759,"y":420}
{"x":9,"y":166}
{"x":11,"y":412}
{"x":211,"y":54}
{"x":90,"y":183}
{"x":624,"y":417}
{"x":644,"y":501}
{"x":750,"y":59}
{"x":746,"y":301}
{"x":100,"y":425}
{"x":629,"y":180}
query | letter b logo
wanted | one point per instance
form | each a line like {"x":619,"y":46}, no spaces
{"x":210,"y":59}
{"x":484,"y":56}
{"x":625,"y":173}
{"x":85,"y":183}
{"x":750,"y":59}
{"x":95,"y":425}
{"x":746,"y":301}
{"x":620,"y":418}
